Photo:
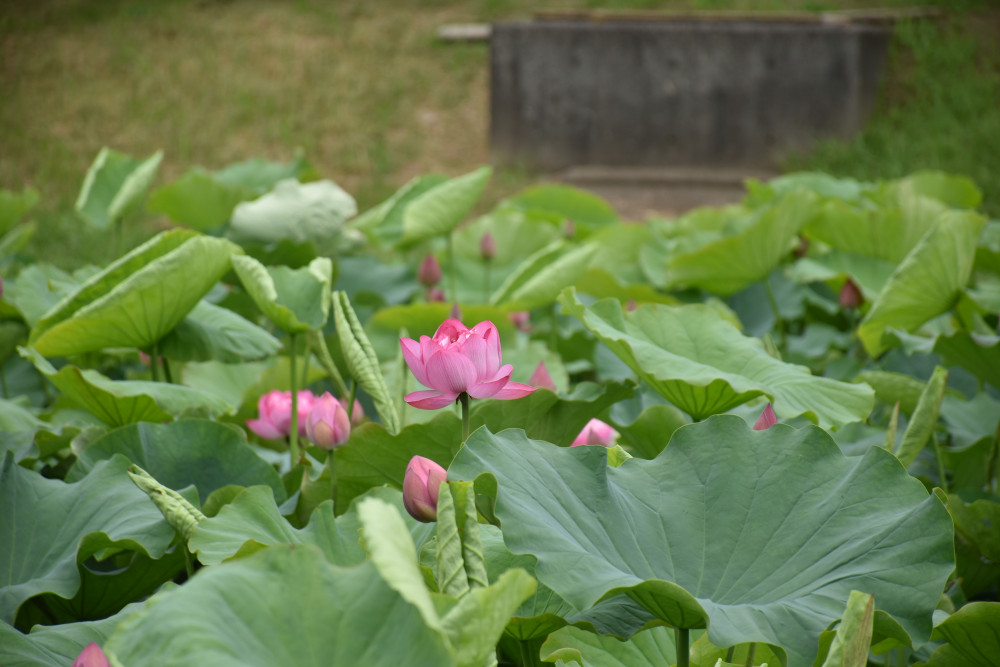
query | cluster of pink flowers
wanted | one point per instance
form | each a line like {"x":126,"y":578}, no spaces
{"x":322,"y":419}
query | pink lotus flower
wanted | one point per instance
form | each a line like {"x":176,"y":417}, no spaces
{"x":459,"y":360}
{"x":275,"y":414}
{"x":91,"y":656}
{"x":541,"y":378}
{"x":596,"y":432}
{"x":488,"y":247}
{"x":766,"y":420}
{"x":328,"y":425}
{"x":421,"y":486}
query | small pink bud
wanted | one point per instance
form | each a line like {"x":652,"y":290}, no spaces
{"x":541,"y":378}
{"x":91,"y":656}
{"x":488,"y":247}
{"x":421,"y":485}
{"x":596,"y":432}
{"x":766,"y":420}
{"x":357,"y":414}
{"x":328,"y":425}
{"x":521,"y":320}
{"x":631,"y":305}
{"x":455,"y":313}
{"x":429,"y":273}
{"x":435,"y":294}
{"x":850,"y":295}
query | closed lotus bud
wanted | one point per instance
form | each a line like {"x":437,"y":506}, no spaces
{"x":455,"y":313}
{"x":541,"y":378}
{"x":631,"y":305}
{"x":488,"y":247}
{"x":357,"y":414}
{"x":850,"y":295}
{"x":766,"y":420}
{"x":435,"y":294}
{"x":328,"y":425}
{"x":521,"y":320}
{"x":91,"y":656}
{"x":421,"y":485}
{"x":596,"y":432}
{"x":429,"y":273}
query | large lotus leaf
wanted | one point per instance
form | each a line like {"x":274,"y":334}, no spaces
{"x":374,"y":456}
{"x":564,"y":202}
{"x":55,"y":645}
{"x":207,"y":454}
{"x":297,"y":300}
{"x":438,"y":210}
{"x":197,"y":200}
{"x":735,"y":262}
{"x":951,"y":189}
{"x":259,"y":175}
{"x":114,"y":185}
{"x":760,"y":535}
{"x":869,"y":273}
{"x":286,"y":605}
{"x":980,"y":355}
{"x":977,"y":541}
{"x":973,"y":636}
{"x":121,"y":402}
{"x":38,"y":289}
{"x":254,"y":517}
{"x":210,"y":332}
{"x":538,"y":281}
{"x":650,"y":648}
{"x":383,"y":224}
{"x":137,"y":300}
{"x":14,"y":205}
{"x":293,"y":211}
{"x":704,"y":365}
{"x":49,"y":526}
{"x":928,"y":282}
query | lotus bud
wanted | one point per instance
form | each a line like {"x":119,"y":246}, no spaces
{"x":631,"y":305}
{"x":429,"y":273}
{"x":488,"y":247}
{"x":520,"y":319}
{"x":596,"y":432}
{"x":455,"y":313}
{"x":328,"y":425}
{"x":766,"y":420}
{"x":421,"y":485}
{"x":541,"y":378}
{"x":435,"y":294}
{"x":91,"y":656}
{"x":850,"y":295}
{"x":357,"y":414}
{"x":1,"y":288}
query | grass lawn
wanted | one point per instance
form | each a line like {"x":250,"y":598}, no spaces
{"x":372,"y":99}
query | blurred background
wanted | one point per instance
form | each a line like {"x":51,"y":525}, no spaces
{"x":371,"y":98}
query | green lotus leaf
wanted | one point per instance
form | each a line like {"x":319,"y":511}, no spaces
{"x":259,"y":175}
{"x":374,"y":456}
{"x":121,"y":402}
{"x":14,"y":206}
{"x":975,"y":353}
{"x":977,"y":542}
{"x":853,"y":637}
{"x":49,"y":526}
{"x":253,"y":517}
{"x":438,"y":210}
{"x":957,"y":191}
{"x":924,"y":419}
{"x":649,"y":648}
{"x":297,"y":300}
{"x":869,"y":273}
{"x":538,"y":281}
{"x":38,"y":289}
{"x":702,"y":364}
{"x":734,"y":262}
{"x":758,"y":535}
{"x":928,"y":282}
{"x":973,"y":636}
{"x":286,"y":605}
{"x":383,"y":224}
{"x":55,"y":645}
{"x":137,"y":299}
{"x":197,"y":200}
{"x":564,"y":202}
{"x":115,"y":185}
{"x":293,"y":211}
{"x":207,"y":454}
{"x":210,"y":332}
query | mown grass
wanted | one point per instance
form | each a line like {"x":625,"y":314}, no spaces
{"x":372,"y":99}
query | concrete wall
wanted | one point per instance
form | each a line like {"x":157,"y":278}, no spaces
{"x":676,"y":93}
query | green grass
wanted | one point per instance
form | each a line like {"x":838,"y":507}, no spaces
{"x":372,"y":99}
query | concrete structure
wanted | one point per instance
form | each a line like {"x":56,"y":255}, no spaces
{"x":677,"y":93}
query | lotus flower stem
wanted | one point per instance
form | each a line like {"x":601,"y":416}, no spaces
{"x":188,"y":565}
{"x":942,"y":477}
{"x":318,"y":344}
{"x":3,"y":383}
{"x":154,"y":367}
{"x":730,"y":653}
{"x":293,"y":429}
{"x":750,"y":654}
{"x":464,"y":400}
{"x":331,"y":465}
{"x":167,"y":375}
{"x":486,"y":286}
{"x":779,"y":324}
{"x":452,"y":269}
{"x":682,"y":640}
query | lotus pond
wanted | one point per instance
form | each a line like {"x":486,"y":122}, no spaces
{"x":283,"y":433}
